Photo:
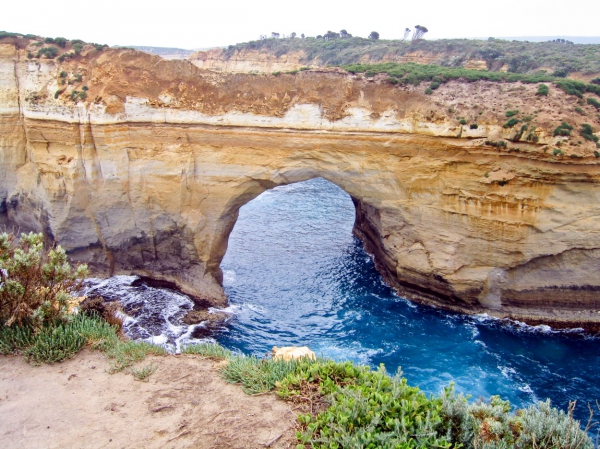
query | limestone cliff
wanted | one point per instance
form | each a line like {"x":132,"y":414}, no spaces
{"x":146,"y":172}
{"x":265,"y":61}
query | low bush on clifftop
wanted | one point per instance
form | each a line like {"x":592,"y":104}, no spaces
{"x":37,"y":316}
{"x":348,"y":406}
{"x":413,"y":74}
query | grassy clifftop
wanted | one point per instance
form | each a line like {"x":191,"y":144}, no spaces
{"x":514,"y":56}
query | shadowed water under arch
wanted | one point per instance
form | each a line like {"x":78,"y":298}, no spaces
{"x":295,"y":275}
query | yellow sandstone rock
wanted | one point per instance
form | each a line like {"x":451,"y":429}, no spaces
{"x":292,"y":353}
{"x":148,"y":177}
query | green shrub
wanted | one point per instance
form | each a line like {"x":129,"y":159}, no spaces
{"x":58,"y":93}
{"x":596,"y":153}
{"x":497,"y":144}
{"x":571,"y":87}
{"x":542,"y":90}
{"x":587,"y":132}
{"x":63,"y":74}
{"x":511,"y":113}
{"x":49,"y":40}
{"x":561,"y":72}
{"x":564,"y":129}
{"x":519,"y":135}
{"x":61,"y":42}
{"x":462,"y":121}
{"x":579,"y":111}
{"x":512,"y":122}
{"x":77,"y":48}
{"x":350,"y":406}
{"x":84,"y":88}
{"x":434,"y":85}
{"x":558,"y":152}
{"x":373,"y":410}
{"x":304,"y":68}
{"x":473,"y":126}
{"x":428,"y":91}
{"x":276,"y":73}
{"x":48,"y":52}
{"x":35,"y":284}
{"x":593,"y":102}
{"x":78,"y":77}
{"x":492,"y":425}
{"x":65,"y":56}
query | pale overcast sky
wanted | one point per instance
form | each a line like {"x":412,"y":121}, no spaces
{"x":202,"y":23}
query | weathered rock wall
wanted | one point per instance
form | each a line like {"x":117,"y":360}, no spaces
{"x":149,"y":177}
{"x":265,"y":61}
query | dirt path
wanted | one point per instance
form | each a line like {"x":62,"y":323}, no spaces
{"x":185,"y":404}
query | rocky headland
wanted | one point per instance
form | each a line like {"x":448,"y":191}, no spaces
{"x":136,"y":164}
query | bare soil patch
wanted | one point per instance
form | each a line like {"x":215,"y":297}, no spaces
{"x":184,"y":404}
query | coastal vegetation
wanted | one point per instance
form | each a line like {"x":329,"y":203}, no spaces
{"x":344,"y":405}
{"x":37,"y":287}
{"x":414,"y":74}
{"x":552,"y":58}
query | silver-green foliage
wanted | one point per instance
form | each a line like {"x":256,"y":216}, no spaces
{"x":35,"y":285}
{"x":491,"y":425}
{"x":370,"y":409}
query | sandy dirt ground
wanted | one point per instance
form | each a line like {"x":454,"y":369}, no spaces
{"x":184,"y":404}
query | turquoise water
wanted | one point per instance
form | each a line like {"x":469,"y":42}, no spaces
{"x":295,"y":275}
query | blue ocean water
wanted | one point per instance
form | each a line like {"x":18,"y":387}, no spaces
{"x":295,"y":275}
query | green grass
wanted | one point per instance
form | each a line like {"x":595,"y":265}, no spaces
{"x":62,"y":339}
{"x":144,"y":372}
{"x":208,"y":350}
{"x":57,"y":341}
{"x":124,"y":354}
{"x":256,"y":375}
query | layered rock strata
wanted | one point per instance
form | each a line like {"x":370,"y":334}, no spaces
{"x":265,"y":61}
{"x":146,"y":175}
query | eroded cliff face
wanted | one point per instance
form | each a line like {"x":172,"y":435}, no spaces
{"x":264,"y":61}
{"x":148,"y":173}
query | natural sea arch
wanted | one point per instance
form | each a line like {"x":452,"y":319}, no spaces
{"x":161,"y":200}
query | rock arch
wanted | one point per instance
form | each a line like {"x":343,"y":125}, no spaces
{"x":148,"y":179}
